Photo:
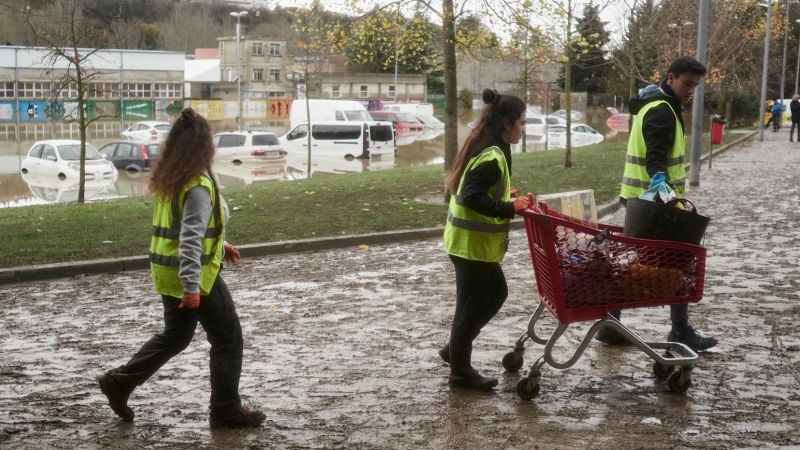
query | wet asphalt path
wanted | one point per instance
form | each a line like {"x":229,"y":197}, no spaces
{"x":340,"y":348}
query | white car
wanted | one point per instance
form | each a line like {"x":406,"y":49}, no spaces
{"x":576,"y":115}
{"x":431,"y":123}
{"x":244,"y":145}
{"x":60,"y":158}
{"x":151,"y":130}
{"x":581,"y":135}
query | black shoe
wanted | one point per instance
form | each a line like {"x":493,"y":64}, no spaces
{"x":610,"y":336}
{"x":472,"y":380}
{"x":242,"y":419}
{"x":444,"y":353}
{"x":691,"y":339}
{"x":117,"y":396}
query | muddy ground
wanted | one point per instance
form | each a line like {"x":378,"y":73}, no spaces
{"x":340,"y":348}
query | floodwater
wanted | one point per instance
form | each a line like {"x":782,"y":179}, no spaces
{"x":340,"y":348}
{"x":427,"y":148}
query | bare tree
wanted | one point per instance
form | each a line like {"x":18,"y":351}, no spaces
{"x":65,"y":32}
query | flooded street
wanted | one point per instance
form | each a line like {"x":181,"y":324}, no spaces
{"x":413,"y":150}
{"x":341,"y":348}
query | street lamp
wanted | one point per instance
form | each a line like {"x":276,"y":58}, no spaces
{"x":680,"y":33}
{"x":238,"y":16}
{"x":797,"y":72}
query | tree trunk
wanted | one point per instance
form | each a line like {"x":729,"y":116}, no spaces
{"x":450,"y":85}
{"x":568,"y":88}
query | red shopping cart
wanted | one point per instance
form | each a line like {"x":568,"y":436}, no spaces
{"x":583,"y":271}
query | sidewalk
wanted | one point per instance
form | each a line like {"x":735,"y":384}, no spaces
{"x":340,"y":348}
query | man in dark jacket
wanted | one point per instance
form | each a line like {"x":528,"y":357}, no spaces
{"x":794,"y":107}
{"x":655,"y":154}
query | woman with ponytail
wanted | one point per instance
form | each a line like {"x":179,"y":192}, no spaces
{"x":187,"y":249}
{"x":476,"y":233}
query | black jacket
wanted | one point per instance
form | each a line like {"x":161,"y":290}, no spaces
{"x":478,"y":181}
{"x":658,"y":124}
{"x":794,"y":107}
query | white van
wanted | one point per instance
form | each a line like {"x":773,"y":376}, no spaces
{"x":342,"y":139}
{"x":418,"y":109}
{"x":328,"y":110}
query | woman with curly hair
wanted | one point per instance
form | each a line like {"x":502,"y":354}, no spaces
{"x":186,"y":254}
{"x":476,"y":233}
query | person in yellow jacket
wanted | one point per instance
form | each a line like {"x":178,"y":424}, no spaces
{"x":476,"y":233}
{"x":187,"y":249}
{"x":656,"y":152}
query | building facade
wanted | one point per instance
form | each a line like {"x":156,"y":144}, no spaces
{"x":122,"y":85}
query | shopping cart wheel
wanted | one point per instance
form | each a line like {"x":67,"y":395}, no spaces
{"x":662,"y":370}
{"x":680,"y":381}
{"x":528,"y":388}
{"x":512,"y":363}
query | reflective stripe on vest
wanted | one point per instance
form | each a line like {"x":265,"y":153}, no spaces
{"x":636,"y":180}
{"x":471,"y":235}
{"x":164,"y":252}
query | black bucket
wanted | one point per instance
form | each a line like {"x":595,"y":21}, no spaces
{"x":663,"y":221}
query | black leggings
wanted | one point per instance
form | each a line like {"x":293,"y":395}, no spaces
{"x":481,"y":290}
{"x":221,"y":323}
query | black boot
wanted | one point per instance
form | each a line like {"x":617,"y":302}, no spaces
{"x":463,"y":375}
{"x":689,"y":337}
{"x":117,"y":396}
{"x":444,"y":353}
{"x":611,"y":336}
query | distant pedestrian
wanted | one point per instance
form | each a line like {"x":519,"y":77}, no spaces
{"x":777,"y":115}
{"x":794,"y":107}
{"x":655,"y":155}
{"x":186,"y":254}
{"x":476,"y":233}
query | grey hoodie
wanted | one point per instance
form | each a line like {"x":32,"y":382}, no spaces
{"x":197,"y":211}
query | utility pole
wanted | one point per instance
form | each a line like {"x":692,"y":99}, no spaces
{"x":699,"y":97}
{"x":764,"y":72}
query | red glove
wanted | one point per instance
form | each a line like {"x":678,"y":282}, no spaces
{"x":231,"y":254}
{"x":513,"y":192}
{"x":520,"y":204}
{"x":190,"y":301}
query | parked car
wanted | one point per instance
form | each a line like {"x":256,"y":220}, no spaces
{"x":150,"y":130}
{"x":418,"y":109}
{"x":581,"y":135}
{"x":576,"y":115}
{"x":401,"y":121}
{"x":61,"y":158}
{"x":131,"y":155}
{"x":244,"y":145}
{"x":619,"y":122}
{"x":327,"y":110}
{"x":431,"y":123}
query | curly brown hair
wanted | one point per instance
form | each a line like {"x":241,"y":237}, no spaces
{"x":188,"y":152}
{"x":500,"y":111}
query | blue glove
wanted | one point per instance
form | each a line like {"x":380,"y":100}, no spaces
{"x":658,"y":178}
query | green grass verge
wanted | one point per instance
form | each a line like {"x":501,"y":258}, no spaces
{"x":367,"y":202}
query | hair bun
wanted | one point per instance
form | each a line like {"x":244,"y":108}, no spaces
{"x":490,"y":96}
{"x":188,"y":115}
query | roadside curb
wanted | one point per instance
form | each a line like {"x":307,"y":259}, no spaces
{"x":99,"y":266}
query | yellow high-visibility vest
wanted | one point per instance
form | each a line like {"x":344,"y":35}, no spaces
{"x":164,"y":257}
{"x":635,"y":180}
{"x":471,"y":235}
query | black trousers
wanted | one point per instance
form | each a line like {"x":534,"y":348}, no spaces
{"x":791,"y":132}
{"x":481,"y":290}
{"x":218,"y":317}
{"x":678,"y":314}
